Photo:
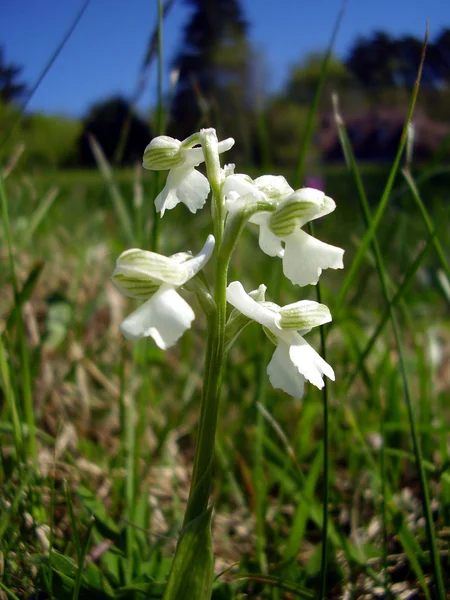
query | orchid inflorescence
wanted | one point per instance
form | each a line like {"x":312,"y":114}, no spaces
{"x":280,"y":213}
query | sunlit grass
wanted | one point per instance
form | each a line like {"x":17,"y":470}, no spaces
{"x":86,"y":433}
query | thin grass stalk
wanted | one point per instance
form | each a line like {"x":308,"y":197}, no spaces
{"x":326,"y":454}
{"x":25,"y":363}
{"x":401,"y":291}
{"x":326,"y":470}
{"x":11,"y":401}
{"x":429,"y":527}
{"x":309,"y":127}
{"x":114,"y":191}
{"x":8,"y":591}
{"x":384,"y":285}
{"x":383,"y":501}
{"x":39,"y":214}
{"x":427,"y":220}
{"x":155,"y":230}
{"x":81,"y":560}
{"x":376,"y":219}
{"x":45,"y":70}
{"x":260,"y":482}
{"x":260,"y":401}
{"x":130,"y":491}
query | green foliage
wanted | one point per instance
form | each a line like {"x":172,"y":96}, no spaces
{"x":50,"y":142}
{"x":191,"y":575}
{"x":304,"y":79}
{"x":286,"y":122}
{"x":214,"y":86}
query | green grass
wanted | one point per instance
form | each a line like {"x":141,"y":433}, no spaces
{"x":114,"y":425}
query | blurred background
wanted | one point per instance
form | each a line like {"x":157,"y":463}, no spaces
{"x":249,"y":68}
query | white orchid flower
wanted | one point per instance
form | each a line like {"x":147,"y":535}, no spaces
{"x":294,"y":361}
{"x":145,"y":275}
{"x":280,"y":232}
{"x":184,"y":184}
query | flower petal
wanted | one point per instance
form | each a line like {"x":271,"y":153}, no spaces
{"x":140,"y":266}
{"x":238,"y":297}
{"x":298,"y":209}
{"x":238,"y":184}
{"x":195,"y":156}
{"x":268,"y":241}
{"x":195,"y":264}
{"x":162,"y":153}
{"x":274,"y":187}
{"x":184,"y":184}
{"x":308,"y":363}
{"x":305,"y":257}
{"x":165,"y":317}
{"x":283,"y":374}
{"x":304,"y":314}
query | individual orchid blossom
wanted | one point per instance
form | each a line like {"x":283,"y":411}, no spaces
{"x":184,"y":184}
{"x":304,"y":257}
{"x":294,"y":361}
{"x":149,"y":276}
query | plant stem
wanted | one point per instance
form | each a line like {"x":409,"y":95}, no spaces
{"x":215,"y":351}
{"x":201,"y":476}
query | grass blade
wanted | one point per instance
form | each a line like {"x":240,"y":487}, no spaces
{"x":307,"y":134}
{"x":372,"y":224}
{"x":116,"y":197}
{"x":376,"y":219}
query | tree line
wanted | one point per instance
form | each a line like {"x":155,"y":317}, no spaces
{"x":220,"y":81}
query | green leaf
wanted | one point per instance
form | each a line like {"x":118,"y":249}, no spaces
{"x":192,"y":572}
{"x":104,"y":524}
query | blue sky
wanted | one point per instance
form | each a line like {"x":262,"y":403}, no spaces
{"x":104,"y":54}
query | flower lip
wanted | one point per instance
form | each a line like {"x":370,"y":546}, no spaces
{"x":184,"y":184}
{"x":294,"y":361}
{"x":143,"y":275}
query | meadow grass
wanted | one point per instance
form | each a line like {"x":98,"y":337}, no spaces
{"x":342,"y":495}
{"x":95,"y":476}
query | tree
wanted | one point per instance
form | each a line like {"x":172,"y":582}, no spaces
{"x":113,"y":123}
{"x":11,"y":88}
{"x":440,"y":57}
{"x":304,"y":79}
{"x":214,"y":70}
{"x":371,"y":60}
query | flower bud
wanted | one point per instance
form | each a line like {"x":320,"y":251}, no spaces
{"x":162,"y":153}
{"x":297,"y":209}
{"x":302,"y":315}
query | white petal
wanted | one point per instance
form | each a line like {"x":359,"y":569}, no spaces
{"x":309,"y":364}
{"x":305,"y":257}
{"x":195,"y":156}
{"x":184,"y":184}
{"x":283,"y":374}
{"x":268,"y":241}
{"x":327,"y":204}
{"x":165,"y":317}
{"x":238,"y":297}
{"x":195,"y":264}
{"x":240,"y":185}
{"x":273,"y":186}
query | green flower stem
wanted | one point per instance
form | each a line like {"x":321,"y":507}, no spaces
{"x":201,"y":476}
{"x":215,"y":350}
{"x":209,"y":142}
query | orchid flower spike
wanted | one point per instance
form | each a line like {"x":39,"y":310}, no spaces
{"x":294,"y":361}
{"x":144,"y":275}
{"x":184,"y":184}
{"x":280,"y":232}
